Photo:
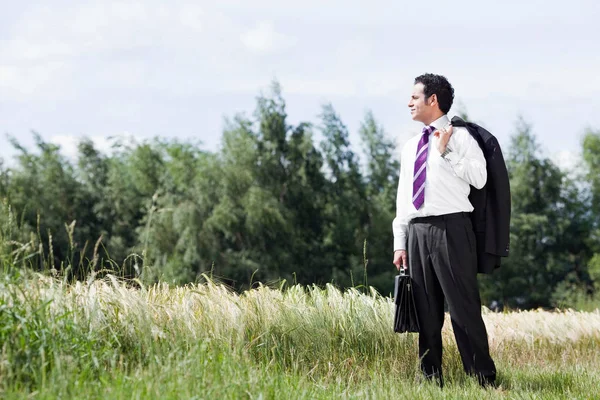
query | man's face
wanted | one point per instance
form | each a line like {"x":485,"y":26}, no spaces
{"x":420,"y":109}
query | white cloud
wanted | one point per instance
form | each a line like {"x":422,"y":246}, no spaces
{"x":263,"y":38}
{"x":567,"y":160}
{"x":192,"y":16}
{"x":126,"y":44}
{"x":48,"y":49}
{"x":68,"y":143}
{"x":107,"y":65}
{"x":320,"y":87}
{"x":353,"y":51}
{"x":17,"y":83}
{"x":8,"y":75}
{"x":386,"y":84}
{"x":26,"y":49}
{"x":111,"y":26}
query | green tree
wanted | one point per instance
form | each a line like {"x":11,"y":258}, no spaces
{"x":546,"y":227}
{"x":382,"y":171}
{"x":346,"y":216}
{"x":44,"y":184}
{"x":175,"y":242}
{"x":591,"y":158}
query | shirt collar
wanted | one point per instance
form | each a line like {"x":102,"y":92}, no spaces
{"x":440,"y":122}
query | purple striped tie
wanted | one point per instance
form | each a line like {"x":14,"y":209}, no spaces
{"x":420,"y":171}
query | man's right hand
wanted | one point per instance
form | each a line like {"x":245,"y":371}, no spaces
{"x":400,"y":259}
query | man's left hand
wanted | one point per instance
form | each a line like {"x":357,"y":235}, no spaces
{"x":444,"y":135}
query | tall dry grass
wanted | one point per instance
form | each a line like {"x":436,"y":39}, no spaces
{"x":326,"y":337}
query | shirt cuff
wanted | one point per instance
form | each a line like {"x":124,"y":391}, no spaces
{"x":400,"y":243}
{"x":452,"y":157}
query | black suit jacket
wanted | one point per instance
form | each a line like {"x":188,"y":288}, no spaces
{"x":491,"y":214}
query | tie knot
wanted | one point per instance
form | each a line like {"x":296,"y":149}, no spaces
{"x":428,"y":130}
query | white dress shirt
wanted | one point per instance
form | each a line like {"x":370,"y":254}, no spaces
{"x":447,"y":181}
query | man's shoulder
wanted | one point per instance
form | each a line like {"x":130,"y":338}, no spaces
{"x":462,"y":135}
{"x":461,"y":132}
{"x":476,"y":132}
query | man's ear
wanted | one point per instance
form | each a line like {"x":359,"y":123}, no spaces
{"x":433,"y":100}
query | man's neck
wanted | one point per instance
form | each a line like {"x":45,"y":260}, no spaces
{"x":434,"y":118}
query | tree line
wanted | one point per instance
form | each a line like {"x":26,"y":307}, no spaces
{"x":271,"y":203}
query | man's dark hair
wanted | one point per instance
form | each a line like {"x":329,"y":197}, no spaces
{"x":438,"y":85}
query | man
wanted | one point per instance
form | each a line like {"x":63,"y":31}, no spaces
{"x":433,"y":235}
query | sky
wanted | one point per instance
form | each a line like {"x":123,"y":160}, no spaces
{"x":142,"y":69}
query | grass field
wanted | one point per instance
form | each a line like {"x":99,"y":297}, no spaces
{"x":106,"y":338}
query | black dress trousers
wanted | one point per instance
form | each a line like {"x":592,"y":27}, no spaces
{"x":443,"y":264}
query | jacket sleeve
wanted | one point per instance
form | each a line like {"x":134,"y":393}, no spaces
{"x":498,"y":208}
